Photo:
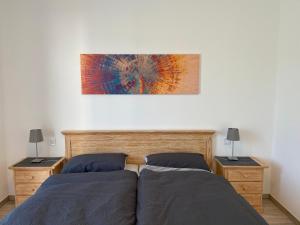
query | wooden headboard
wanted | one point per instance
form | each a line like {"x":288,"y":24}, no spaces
{"x":139,"y":143}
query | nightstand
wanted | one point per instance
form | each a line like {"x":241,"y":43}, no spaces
{"x":29,"y":176}
{"x":246,"y":176}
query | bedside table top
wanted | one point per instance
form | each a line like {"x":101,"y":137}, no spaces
{"x":242,"y":162}
{"x":48,"y":162}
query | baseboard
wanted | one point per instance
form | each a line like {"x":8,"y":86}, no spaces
{"x":7,"y":199}
{"x":11,"y":198}
{"x":4,"y":201}
{"x":279,"y":205}
{"x":266,"y":196}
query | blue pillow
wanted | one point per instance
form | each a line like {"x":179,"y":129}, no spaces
{"x":178,"y":160}
{"x":95,"y":163}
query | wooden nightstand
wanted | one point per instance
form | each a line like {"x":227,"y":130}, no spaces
{"x":29,"y":176}
{"x":245,"y":175}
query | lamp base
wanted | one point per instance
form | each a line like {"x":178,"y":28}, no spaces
{"x":37,"y":160}
{"x":233,"y":158}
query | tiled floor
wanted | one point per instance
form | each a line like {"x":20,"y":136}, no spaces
{"x":272,"y":214}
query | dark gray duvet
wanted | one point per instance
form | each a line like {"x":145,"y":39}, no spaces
{"x":191,"y":198}
{"x":107,"y":198}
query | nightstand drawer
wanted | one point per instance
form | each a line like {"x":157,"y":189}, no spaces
{"x":26,"y":189}
{"x":31,"y":176}
{"x":253,"y":199}
{"x":20,"y":199}
{"x":247,"y":187}
{"x":245,"y":175}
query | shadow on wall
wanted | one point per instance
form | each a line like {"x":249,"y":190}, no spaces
{"x":252,"y":138}
{"x":276,"y":178}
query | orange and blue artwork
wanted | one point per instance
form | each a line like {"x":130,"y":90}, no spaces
{"x":140,"y":73}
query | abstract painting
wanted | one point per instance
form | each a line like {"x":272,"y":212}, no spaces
{"x":140,"y":73}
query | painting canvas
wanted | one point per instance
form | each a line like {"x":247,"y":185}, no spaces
{"x":140,"y":73}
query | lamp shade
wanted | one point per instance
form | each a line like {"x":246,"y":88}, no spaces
{"x":36,"y":136}
{"x":233,"y":134}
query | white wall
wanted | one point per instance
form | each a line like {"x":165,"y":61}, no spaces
{"x":3,"y":165}
{"x":237,"y":40}
{"x":286,"y":154}
{"x":22,"y":71}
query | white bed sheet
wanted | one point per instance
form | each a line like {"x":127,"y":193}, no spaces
{"x":132,"y":167}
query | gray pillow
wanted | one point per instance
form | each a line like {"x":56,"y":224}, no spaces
{"x":95,"y":163}
{"x":178,"y":160}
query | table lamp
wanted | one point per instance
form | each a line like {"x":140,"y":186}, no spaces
{"x":36,"y":136}
{"x":233,"y":135}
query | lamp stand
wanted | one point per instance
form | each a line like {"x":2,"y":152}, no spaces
{"x":36,"y":160}
{"x":232,"y":157}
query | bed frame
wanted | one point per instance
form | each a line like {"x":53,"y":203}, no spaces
{"x":139,"y":143}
